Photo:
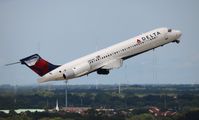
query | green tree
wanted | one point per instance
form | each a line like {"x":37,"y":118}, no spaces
{"x":144,"y":116}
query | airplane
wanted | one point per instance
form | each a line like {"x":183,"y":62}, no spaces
{"x":103,"y":60}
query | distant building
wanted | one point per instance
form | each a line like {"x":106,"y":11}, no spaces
{"x":23,"y":110}
{"x":156,"y":112}
{"x":57,"y":105}
{"x":80,"y":110}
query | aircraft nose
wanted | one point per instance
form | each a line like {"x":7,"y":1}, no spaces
{"x":178,"y":34}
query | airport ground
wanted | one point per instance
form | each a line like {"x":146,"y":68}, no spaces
{"x":130,"y":102}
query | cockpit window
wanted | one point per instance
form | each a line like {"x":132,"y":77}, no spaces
{"x":169,"y":30}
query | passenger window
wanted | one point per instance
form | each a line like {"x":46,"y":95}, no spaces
{"x":169,"y":30}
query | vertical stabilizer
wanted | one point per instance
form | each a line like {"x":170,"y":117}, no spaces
{"x":38,"y":64}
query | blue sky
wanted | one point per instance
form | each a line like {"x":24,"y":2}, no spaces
{"x":63,"y":30}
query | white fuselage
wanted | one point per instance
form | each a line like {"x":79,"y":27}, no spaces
{"x":102,"y":59}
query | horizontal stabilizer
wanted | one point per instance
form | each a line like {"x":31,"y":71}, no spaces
{"x":12,"y":63}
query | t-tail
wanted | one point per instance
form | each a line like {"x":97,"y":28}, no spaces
{"x":38,"y":64}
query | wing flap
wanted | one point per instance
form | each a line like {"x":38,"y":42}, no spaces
{"x":112,"y":64}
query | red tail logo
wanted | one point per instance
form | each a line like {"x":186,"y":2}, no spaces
{"x":38,"y":65}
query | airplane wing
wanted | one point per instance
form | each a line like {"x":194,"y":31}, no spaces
{"x":115,"y":63}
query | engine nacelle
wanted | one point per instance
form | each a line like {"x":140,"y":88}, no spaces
{"x":69,"y":74}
